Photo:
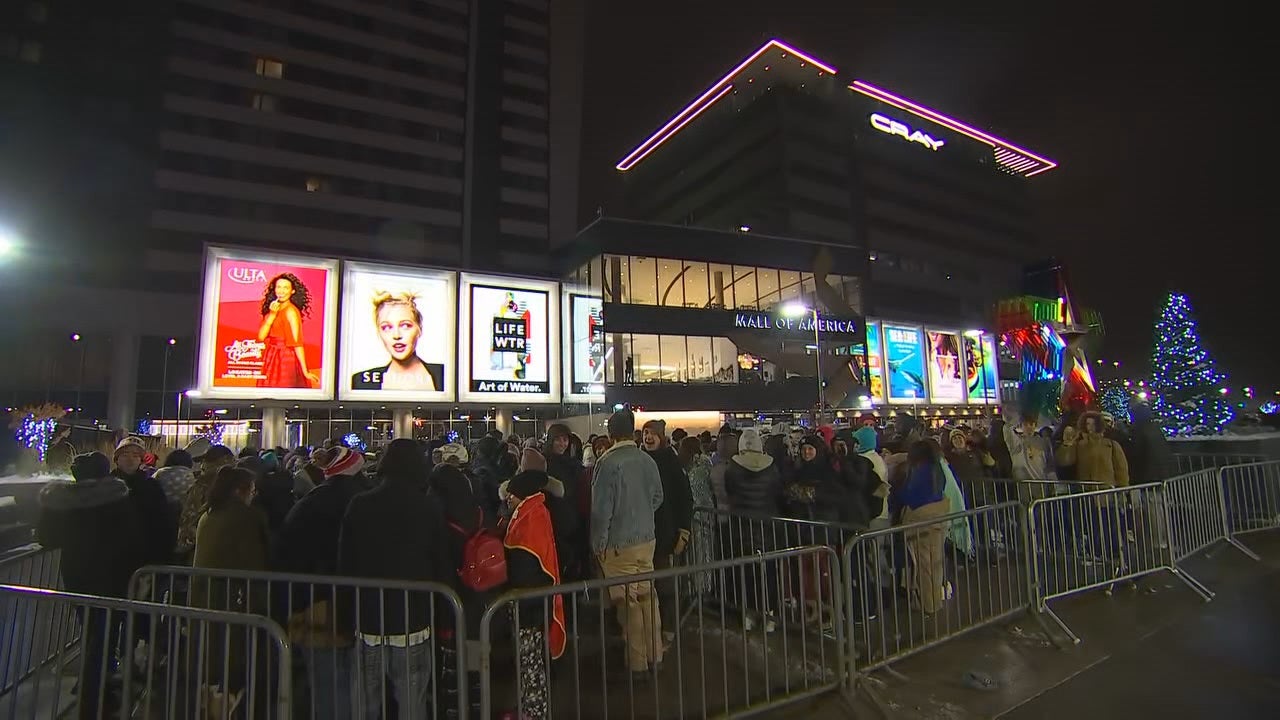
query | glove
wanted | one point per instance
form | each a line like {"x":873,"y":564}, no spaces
{"x":681,"y":542}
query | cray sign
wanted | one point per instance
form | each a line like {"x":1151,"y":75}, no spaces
{"x":902,"y":130}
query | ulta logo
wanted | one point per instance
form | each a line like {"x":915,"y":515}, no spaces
{"x":246,"y":276}
{"x":893,"y":127}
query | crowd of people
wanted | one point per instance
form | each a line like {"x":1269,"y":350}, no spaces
{"x":619,"y":504}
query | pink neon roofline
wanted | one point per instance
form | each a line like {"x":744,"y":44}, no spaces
{"x":872,"y":91}
{"x":712,"y":94}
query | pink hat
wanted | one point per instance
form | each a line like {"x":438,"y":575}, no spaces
{"x":345,"y":462}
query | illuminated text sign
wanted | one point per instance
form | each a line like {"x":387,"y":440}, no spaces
{"x":893,"y":127}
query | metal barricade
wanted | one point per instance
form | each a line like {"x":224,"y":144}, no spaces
{"x":30,"y":566}
{"x":1097,"y":539}
{"x":1251,"y":496}
{"x":994,"y":491}
{"x":1197,"y":513}
{"x":194,"y":663}
{"x":734,"y":534}
{"x":635,"y":648}
{"x":909,"y":590}
{"x":357,"y":641}
{"x":1191,"y":462}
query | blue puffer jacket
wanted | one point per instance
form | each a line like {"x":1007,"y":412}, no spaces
{"x":625,"y":492}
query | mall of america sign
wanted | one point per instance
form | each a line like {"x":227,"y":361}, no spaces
{"x":765,"y":321}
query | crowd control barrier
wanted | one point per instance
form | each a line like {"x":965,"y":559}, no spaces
{"x":358,"y":641}
{"x":1191,"y":462}
{"x":1098,"y":539}
{"x":728,"y":534}
{"x":135,"y":659}
{"x":1197,"y":512}
{"x":910,"y":589}
{"x":31,"y":566}
{"x":636,"y":648}
{"x":993,"y":491}
{"x":1251,"y":496}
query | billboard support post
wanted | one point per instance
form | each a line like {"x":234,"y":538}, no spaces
{"x":402,"y":423}
{"x":273,"y":427}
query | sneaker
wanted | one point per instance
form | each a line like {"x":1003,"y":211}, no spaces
{"x":1128,"y":535}
{"x":750,"y":623}
{"x":947,"y":591}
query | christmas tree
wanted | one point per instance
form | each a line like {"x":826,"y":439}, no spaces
{"x":1187,"y":387}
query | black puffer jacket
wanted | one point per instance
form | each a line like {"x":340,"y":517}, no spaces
{"x":308,"y":538}
{"x":753,"y":483}
{"x":158,"y":521}
{"x":96,"y":526}
{"x":676,"y":511}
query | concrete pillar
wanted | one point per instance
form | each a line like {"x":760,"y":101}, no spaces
{"x":402,"y":423}
{"x":503,"y":421}
{"x":122,"y":387}
{"x":273,"y":427}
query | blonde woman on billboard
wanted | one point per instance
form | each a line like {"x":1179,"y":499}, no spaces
{"x":399,"y":324}
{"x":284,"y":364}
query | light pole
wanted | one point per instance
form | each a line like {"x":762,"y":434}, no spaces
{"x":75,"y":338}
{"x":795,"y":310}
{"x":164,"y":379}
{"x":976,"y":335}
{"x":178,"y":427}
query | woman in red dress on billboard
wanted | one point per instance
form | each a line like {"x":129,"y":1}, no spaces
{"x":284,"y":363}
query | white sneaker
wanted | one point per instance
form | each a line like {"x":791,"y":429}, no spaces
{"x":947,"y":591}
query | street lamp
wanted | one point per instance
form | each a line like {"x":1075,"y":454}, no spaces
{"x":75,"y":338}
{"x":178,"y":427}
{"x":8,"y":243}
{"x":795,"y":310}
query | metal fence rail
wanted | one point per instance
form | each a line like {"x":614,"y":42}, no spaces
{"x":1097,"y":539}
{"x":1191,"y":462}
{"x":1251,"y":496}
{"x":357,"y":641}
{"x":909,"y":590}
{"x":1197,"y":513}
{"x":31,"y":566}
{"x":630,"y":655}
{"x":734,"y":534}
{"x":993,"y":491}
{"x":138,"y":659}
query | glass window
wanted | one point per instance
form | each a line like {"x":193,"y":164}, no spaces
{"x":695,"y":285}
{"x":643,"y":355}
{"x":808,"y":290}
{"x":700,"y":367}
{"x":619,"y":279}
{"x":790,"y":282}
{"x":853,"y":292}
{"x":744,"y":286}
{"x":767,"y":280}
{"x":269,"y":68}
{"x":615,"y":343}
{"x":595,"y":274}
{"x":724,"y":359}
{"x":644,"y":281}
{"x":670,"y":287}
{"x":720,"y":279}
{"x":674,"y":358}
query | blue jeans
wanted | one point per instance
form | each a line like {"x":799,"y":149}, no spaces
{"x":407,"y":671}
{"x":330,"y":682}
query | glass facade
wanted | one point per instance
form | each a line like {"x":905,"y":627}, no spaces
{"x":640,"y":280}
{"x":674,"y":359}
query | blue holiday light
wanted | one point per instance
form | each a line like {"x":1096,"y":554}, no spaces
{"x":1188,"y":397}
{"x":37,"y":434}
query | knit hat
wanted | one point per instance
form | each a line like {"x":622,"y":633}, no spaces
{"x":455,"y":453}
{"x":817,"y":443}
{"x":658,"y":427}
{"x":527,"y":482}
{"x":749,"y":441}
{"x":90,"y":466}
{"x":622,"y":423}
{"x":531,"y":459}
{"x":866,"y":438}
{"x":198,"y":447}
{"x":269,"y":460}
{"x":217,"y":453}
{"x":130,"y":442}
{"x":963,"y":435}
{"x":345,"y":462}
{"x":780,"y":428}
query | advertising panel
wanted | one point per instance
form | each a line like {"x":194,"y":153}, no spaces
{"x":946,"y":377}
{"x":268,"y":326}
{"x":904,"y":356}
{"x":505,"y":340}
{"x":398,"y":331}
{"x":586,"y":348}
{"x":875,"y":362}
{"x":980,"y":369}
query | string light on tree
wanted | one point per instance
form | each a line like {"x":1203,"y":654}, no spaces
{"x":1188,"y":396}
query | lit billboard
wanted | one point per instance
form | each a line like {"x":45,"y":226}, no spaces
{"x":504,"y":341}
{"x":946,"y":376}
{"x":875,"y":362}
{"x":268,"y":326}
{"x":980,"y":369}
{"x":585,"y":348}
{"x":398,"y":332}
{"x":904,"y":358}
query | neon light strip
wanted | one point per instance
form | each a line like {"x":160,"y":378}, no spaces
{"x":1022,"y":164}
{"x":924,"y":112}
{"x":712,"y":94}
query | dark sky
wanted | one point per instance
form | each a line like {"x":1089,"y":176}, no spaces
{"x":1166,"y":164}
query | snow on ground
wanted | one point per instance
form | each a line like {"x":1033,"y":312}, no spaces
{"x":38,"y":479}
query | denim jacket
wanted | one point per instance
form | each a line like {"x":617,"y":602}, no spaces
{"x":625,"y":492}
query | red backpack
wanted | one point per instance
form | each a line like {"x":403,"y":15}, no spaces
{"x":484,"y":559}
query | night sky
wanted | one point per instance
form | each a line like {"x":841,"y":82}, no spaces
{"x":1165,"y":170}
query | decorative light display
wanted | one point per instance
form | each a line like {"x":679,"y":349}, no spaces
{"x":211,"y":432}
{"x":452,"y":436}
{"x":144,"y":426}
{"x":1114,"y":399}
{"x":353,"y":441}
{"x":37,"y":427}
{"x":1269,"y":408}
{"x":1188,"y":397}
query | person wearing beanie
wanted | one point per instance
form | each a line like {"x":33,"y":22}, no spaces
{"x":726,"y":447}
{"x":531,"y":459}
{"x":752,"y":478}
{"x":867,"y":443}
{"x":94,"y":524}
{"x":159,"y":522}
{"x":397,"y":531}
{"x":814,"y":492}
{"x":455,"y":454}
{"x":345,"y":461}
{"x":175,"y":477}
{"x":626,"y":492}
{"x":564,"y":466}
{"x":529,"y":539}
{"x":673,"y":520}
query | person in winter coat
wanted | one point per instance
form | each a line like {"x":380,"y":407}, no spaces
{"x":396,"y":531}
{"x":231,"y":535}
{"x":532,"y":562}
{"x":564,"y":466}
{"x":698,"y":469}
{"x":1096,"y":457}
{"x":307,"y":543}
{"x":752,"y":478}
{"x":563,"y":518}
{"x":726,"y":448}
{"x":998,"y":446}
{"x":274,"y":487}
{"x":196,"y":499}
{"x":1028,"y":453}
{"x":159,"y":523}
{"x":95,"y":525}
{"x":867,"y":445}
{"x":958,"y":529}
{"x":174,"y":478}
{"x":485,"y":473}
{"x":814,"y":491}
{"x":920,"y":497}
{"x":673,"y":520}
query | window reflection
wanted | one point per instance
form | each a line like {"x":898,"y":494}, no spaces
{"x":767,"y":281}
{"x":790,"y":285}
{"x":744,"y":287}
{"x":700,"y":367}
{"x":720,"y":284}
{"x":670,"y":283}
{"x":674,"y":358}
{"x":644,"y":281}
{"x":696,"y":293}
